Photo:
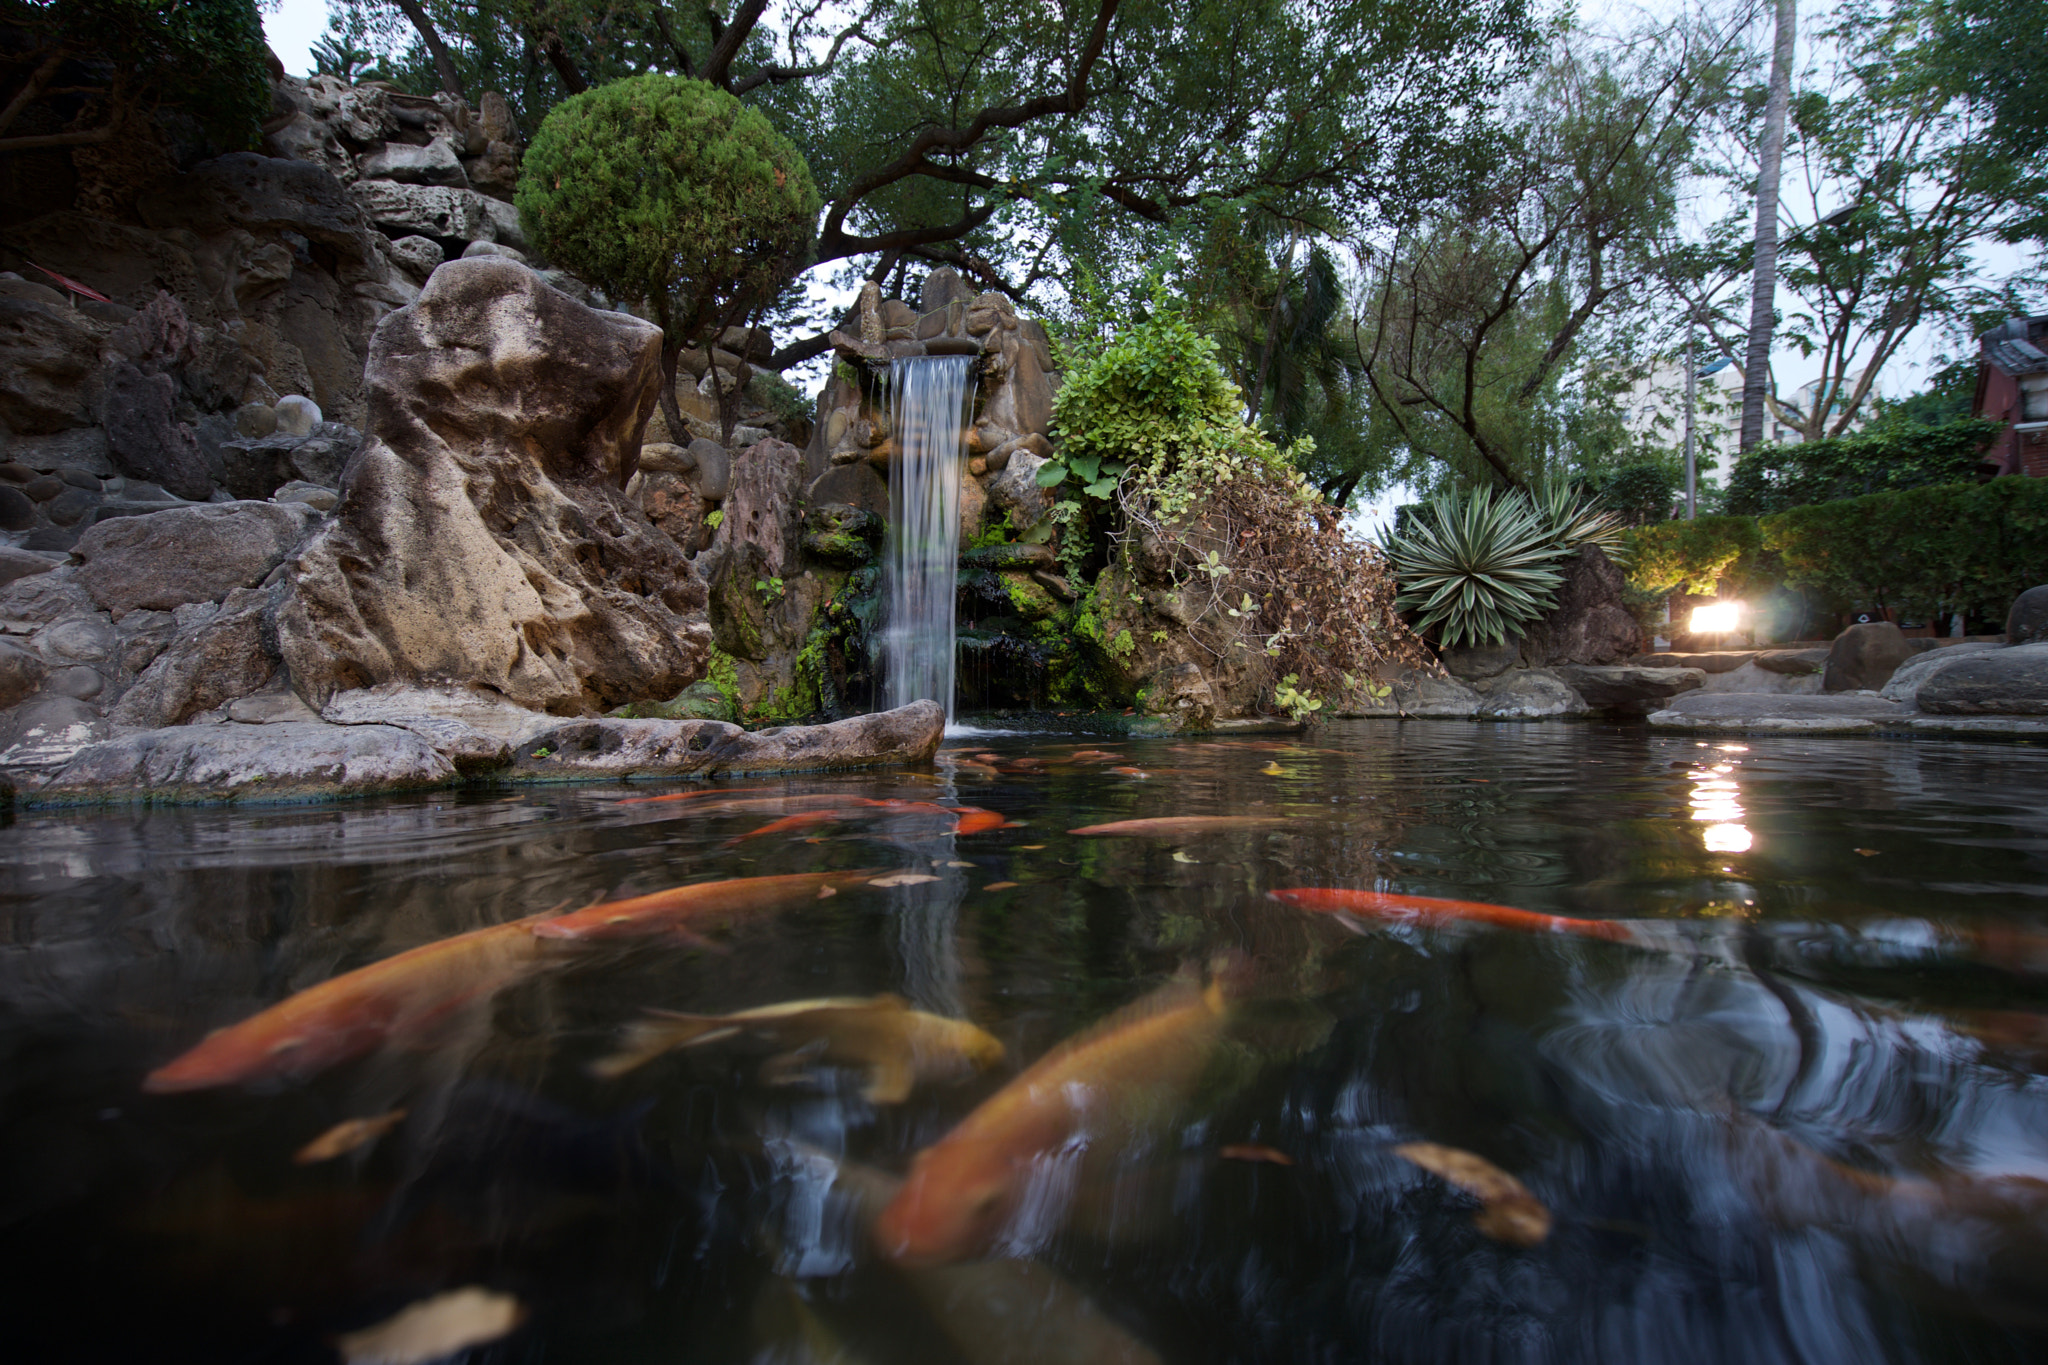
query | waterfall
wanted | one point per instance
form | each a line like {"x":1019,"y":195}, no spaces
{"x":932,"y":404}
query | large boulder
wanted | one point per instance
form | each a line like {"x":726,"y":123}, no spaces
{"x":167,"y":559}
{"x":1629,"y":689}
{"x":483,"y":536}
{"x":1998,"y":682}
{"x":2027,"y":621}
{"x":1863,"y":657}
{"x":49,"y":356}
{"x":247,"y":191}
{"x":1591,"y":623}
{"x":300,"y":761}
{"x":1909,"y":677}
{"x":140,"y":413}
{"x":429,"y":210}
{"x":219,"y":654}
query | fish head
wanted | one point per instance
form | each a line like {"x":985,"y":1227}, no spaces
{"x":952,"y":1207}
{"x":241,"y":1054}
{"x":981,"y":1048}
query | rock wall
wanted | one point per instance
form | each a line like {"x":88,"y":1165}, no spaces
{"x":483,"y":535}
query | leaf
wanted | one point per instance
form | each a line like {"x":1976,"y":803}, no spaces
{"x":1101,"y":488}
{"x":434,"y":1328}
{"x":1050,"y":474}
{"x":902,"y":879}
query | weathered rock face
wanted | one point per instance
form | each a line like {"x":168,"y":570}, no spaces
{"x":1863,"y":657}
{"x":1591,"y":623}
{"x":1909,"y":677}
{"x":300,"y":761}
{"x":709,"y":748}
{"x":483,"y":536}
{"x":1998,"y":682}
{"x":1471,"y":662}
{"x":1629,"y":690}
{"x":167,"y":559}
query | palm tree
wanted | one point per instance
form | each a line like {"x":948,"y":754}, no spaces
{"x":1764,"y":276}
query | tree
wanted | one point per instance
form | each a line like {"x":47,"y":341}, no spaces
{"x":1468,"y":322}
{"x":1991,"y":51}
{"x":669,"y":190}
{"x":97,"y":65}
{"x":1898,"y":187}
{"x":1025,"y":143}
{"x":1763,"y":276}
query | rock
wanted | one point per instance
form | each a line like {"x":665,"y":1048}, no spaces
{"x":1793,"y":662}
{"x":1010,"y":557}
{"x":1744,"y":712}
{"x":251,"y":192}
{"x":1629,"y":689}
{"x":612,"y":748}
{"x":297,"y":415}
{"x":852,"y":485}
{"x":942,"y":288}
{"x":1531,"y":694}
{"x":1710,"y":662}
{"x":475,"y":249}
{"x":45,"y":732}
{"x":311,"y":494}
{"x":272,"y":706}
{"x":698,"y":701}
{"x":22,"y":563}
{"x":255,"y":420}
{"x":188,"y":554}
{"x":841,"y":536}
{"x":1180,"y":695}
{"x":17,"y":509}
{"x":430,"y":210}
{"x":1472,"y":662}
{"x":294,"y":761}
{"x":1015,"y":491}
{"x":77,"y":681}
{"x":663,"y":457}
{"x":433,"y":164}
{"x":222,"y":655}
{"x":504,"y":217}
{"x":419,"y":255}
{"x":1591,"y":623}
{"x":21,"y":672}
{"x":2027,"y":620}
{"x":49,"y":356}
{"x":483,"y":536}
{"x":145,"y":437}
{"x":496,"y":172}
{"x":713,"y":468}
{"x":1907,"y":679}
{"x":43,"y":598}
{"x":1023,"y":402}
{"x":672,"y":503}
{"x":1863,"y":657}
{"x":410,"y":707}
{"x":2001,"y":682}
{"x":1751,"y":678}
{"x":70,"y":507}
{"x":494,"y":118}
{"x":760,"y":509}
{"x":81,"y":450}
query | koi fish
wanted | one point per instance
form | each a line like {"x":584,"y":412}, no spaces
{"x":1130,"y":772}
{"x":689,"y":908}
{"x":1254,"y":1151}
{"x":898,"y":806}
{"x":1114,"y":1085}
{"x":1508,"y":1212}
{"x":346,"y":1137}
{"x":975,"y":820}
{"x":779,"y":805}
{"x":434,"y":1329}
{"x":1178,"y":826}
{"x":358,"y":1011}
{"x":688,"y":796}
{"x":1094,"y":756}
{"x":803,"y":820}
{"x":1428,"y":910}
{"x":897,"y":1046}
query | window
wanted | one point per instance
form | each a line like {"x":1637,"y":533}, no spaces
{"x":2034,"y":398}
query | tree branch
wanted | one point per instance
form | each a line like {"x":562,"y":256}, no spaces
{"x":38,"y":78}
{"x":24,"y":144}
{"x":718,"y":65}
{"x":444,"y":64}
{"x":558,"y":58}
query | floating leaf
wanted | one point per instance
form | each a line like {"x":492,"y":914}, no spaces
{"x":903,"y":879}
{"x":1510,"y":1214}
{"x":347,"y":1136}
{"x":434,"y":1328}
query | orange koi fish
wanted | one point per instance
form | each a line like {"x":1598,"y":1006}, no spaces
{"x":1428,"y":910}
{"x":1113,"y":1086}
{"x":358,"y":1011}
{"x":899,"y":806}
{"x":804,"y":820}
{"x":689,"y":909}
{"x":1178,"y":826}
{"x":975,"y":820}
{"x":689,"y":796}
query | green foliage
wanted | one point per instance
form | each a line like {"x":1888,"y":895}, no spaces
{"x":771,"y":590}
{"x":1888,"y":455}
{"x":1288,"y":696}
{"x":669,"y":190}
{"x":1640,"y":492}
{"x":1929,"y":551}
{"x":1572,"y":518}
{"x":206,"y":59}
{"x":1152,"y":402}
{"x":715,"y":516}
{"x":783,"y":399}
{"x":1693,"y":556}
{"x":1477,"y":567}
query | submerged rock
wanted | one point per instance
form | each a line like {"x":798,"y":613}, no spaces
{"x":294,"y":761}
{"x":483,"y":535}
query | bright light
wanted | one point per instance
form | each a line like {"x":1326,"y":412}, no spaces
{"x":1716,"y":619}
{"x":1726,"y":839}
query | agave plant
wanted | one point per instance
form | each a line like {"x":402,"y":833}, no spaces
{"x":1477,"y":567}
{"x":1575,"y":519}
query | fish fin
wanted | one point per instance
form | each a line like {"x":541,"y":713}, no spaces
{"x":889,"y":1081}
{"x":788,"y":1068}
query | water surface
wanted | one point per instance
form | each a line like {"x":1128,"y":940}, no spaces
{"x":1806,"y":1124}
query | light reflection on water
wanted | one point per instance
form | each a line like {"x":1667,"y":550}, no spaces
{"x":1798,"y":1117}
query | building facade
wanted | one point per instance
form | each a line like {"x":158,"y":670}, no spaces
{"x":2012,"y":387}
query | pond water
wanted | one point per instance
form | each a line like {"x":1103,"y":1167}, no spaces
{"x":1790,"y":1110}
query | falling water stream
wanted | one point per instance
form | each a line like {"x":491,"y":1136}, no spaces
{"x":933,"y":403}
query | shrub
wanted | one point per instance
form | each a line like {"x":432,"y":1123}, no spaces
{"x":1968,"y":548}
{"x":1478,"y":567}
{"x":1640,"y":493}
{"x":1889,"y":455}
{"x":1692,"y":556}
{"x":669,"y":190}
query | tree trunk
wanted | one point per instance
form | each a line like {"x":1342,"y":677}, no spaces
{"x":444,"y":64}
{"x":1272,"y":333}
{"x":1764,"y":276}
{"x":671,"y":411}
